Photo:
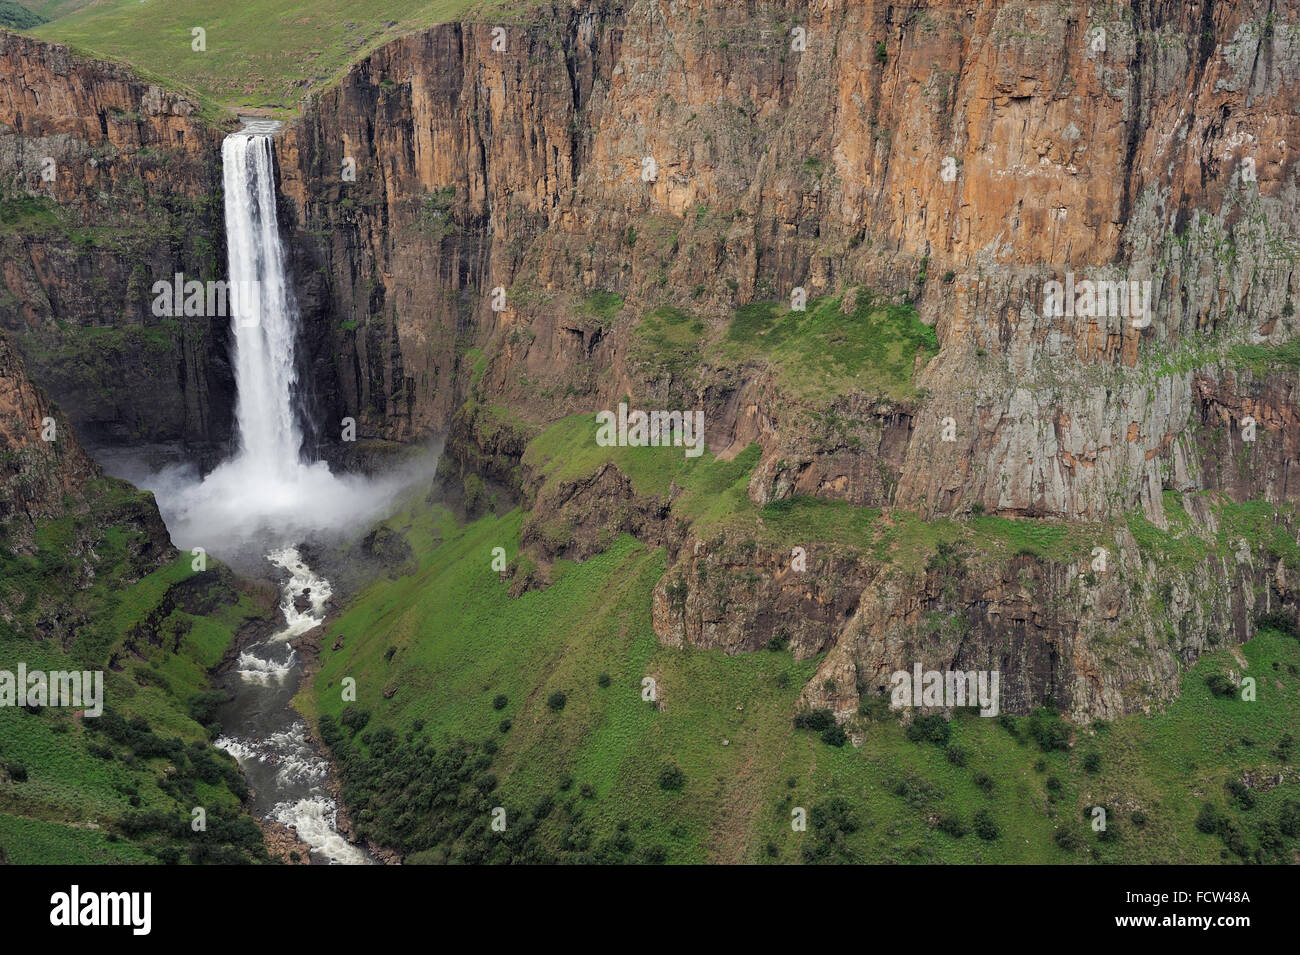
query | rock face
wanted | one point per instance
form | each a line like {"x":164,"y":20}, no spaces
{"x":46,"y":477}
{"x":961,"y":157}
{"x":456,"y":205}
{"x":108,"y":185}
{"x":43,"y":462}
{"x":1107,"y":156}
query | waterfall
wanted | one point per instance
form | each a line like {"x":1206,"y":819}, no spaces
{"x":264,"y":496}
{"x":264,"y":320}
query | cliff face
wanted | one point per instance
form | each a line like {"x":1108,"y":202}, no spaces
{"x":956,"y":156}
{"x":43,"y":461}
{"x":479,"y":233}
{"x":974,"y":156}
{"x":63,"y":524}
{"x":107,"y":185}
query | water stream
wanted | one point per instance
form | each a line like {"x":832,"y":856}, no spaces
{"x":264,"y":491}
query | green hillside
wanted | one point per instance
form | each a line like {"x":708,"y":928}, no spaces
{"x":262,"y":53}
{"x":120,"y":787}
{"x":469,"y":700}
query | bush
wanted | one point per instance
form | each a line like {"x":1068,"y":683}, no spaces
{"x":1208,"y":819}
{"x":1138,"y":818}
{"x":817,"y":720}
{"x":671,"y":778}
{"x":1048,"y":730}
{"x":1067,"y":839}
{"x":1289,"y":819}
{"x":984,"y":781}
{"x":1278,"y":620}
{"x":985,"y":827}
{"x":603,"y":680}
{"x":1012,"y":726}
{"x":1240,"y":794}
{"x":951,"y":823}
{"x":17,"y":772}
{"x":875,"y":707}
{"x":654,"y":855}
{"x":933,"y":728}
{"x":500,"y":701}
{"x":834,"y":736}
{"x":557,"y":700}
{"x":1092,"y":762}
{"x":504,"y":725}
{"x":956,"y":755}
{"x":354,"y":718}
{"x":1220,"y":685}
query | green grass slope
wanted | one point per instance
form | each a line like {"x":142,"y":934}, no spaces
{"x":120,"y":787}
{"x":261,"y":53}
{"x":468,"y":701}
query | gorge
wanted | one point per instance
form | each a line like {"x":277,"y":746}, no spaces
{"x":845,"y":256}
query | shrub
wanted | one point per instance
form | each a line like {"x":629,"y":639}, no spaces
{"x":956,"y":755}
{"x":354,"y":718}
{"x":818,"y":720}
{"x":1067,"y":839}
{"x":834,"y":735}
{"x":778,"y":642}
{"x":1289,"y":819}
{"x":1138,"y":818}
{"x":1048,"y":730}
{"x":603,"y":680}
{"x":654,"y":855}
{"x":1278,"y":620}
{"x":985,"y":827}
{"x":1240,"y":794}
{"x":874,"y":707}
{"x":500,"y":701}
{"x":1092,"y":762}
{"x":671,"y":778}
{"x":1220,"y":685}
{"x":984,"y":781}
{"x":951,"y":823}
{"x":556,"y":700}
{"x":933,"y":728}
{"x":1208,"y":819}
{"x":17,"y":772}
{"x":504,"y":725}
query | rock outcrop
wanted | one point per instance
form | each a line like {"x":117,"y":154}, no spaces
{"x":108,"y":184}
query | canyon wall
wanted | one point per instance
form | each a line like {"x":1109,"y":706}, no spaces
{"x":955,"y":156}
{"x":459,"y":206}
{"x":958,"y":155}
{"x":109,"y":184}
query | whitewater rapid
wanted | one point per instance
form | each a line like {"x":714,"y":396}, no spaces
{"x":288,"y":776}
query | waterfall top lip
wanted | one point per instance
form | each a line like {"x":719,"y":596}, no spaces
{"x":258,"y":126}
